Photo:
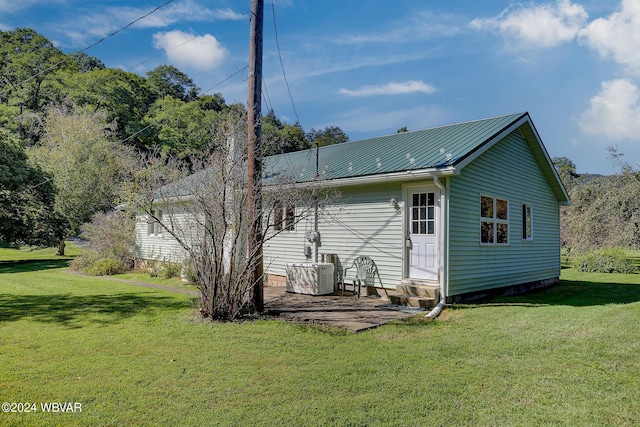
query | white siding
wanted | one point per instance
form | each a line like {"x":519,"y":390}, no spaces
{"x":362,"y":222}
{"x":163,"y":246}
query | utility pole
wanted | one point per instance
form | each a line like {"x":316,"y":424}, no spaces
{"x":254,"y":156}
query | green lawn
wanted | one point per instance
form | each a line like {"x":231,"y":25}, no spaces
{"x":26,"y":253}
{"x":569,"y":355}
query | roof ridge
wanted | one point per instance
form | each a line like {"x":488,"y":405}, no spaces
{"x":444,"y":126}
{"x":324,"y":148}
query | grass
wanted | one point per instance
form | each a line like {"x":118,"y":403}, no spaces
{"x":146,"y":277}
{"x":138,"y":356}
{"x":29,"y":253}
{"x":19,"y":258}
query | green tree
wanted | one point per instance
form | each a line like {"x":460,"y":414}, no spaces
{"x":294,"y":135}
{"x":167,"y":80}
{"x":567,"y":171}
{"x":9,"y":119}
{"x":27,"y":60}
{"x":279,"y":137}
{"x":26,"y":198}
{"x":87,"y":165}
{"x":180,"y":129}
{"x":123,"y":95}
{"x":87,"y":63}
{"x":213,"y":102}
{"x":329,"y":136}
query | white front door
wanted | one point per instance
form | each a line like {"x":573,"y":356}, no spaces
{"x":422,"y":241}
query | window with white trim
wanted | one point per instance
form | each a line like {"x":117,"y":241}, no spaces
{"x":494,"y":220}
{"x":153,"y":227}
{"x":150,"y":223}
{"x":284,"y":217}
{"x":527,"y":222}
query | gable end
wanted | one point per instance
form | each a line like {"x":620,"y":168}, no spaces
{"x":523,"y":127}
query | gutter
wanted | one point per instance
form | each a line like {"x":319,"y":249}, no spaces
{"x":444,"y":215}
{"x":407,"y":175}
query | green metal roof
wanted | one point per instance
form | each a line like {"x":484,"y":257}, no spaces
{"x":438,"y":147}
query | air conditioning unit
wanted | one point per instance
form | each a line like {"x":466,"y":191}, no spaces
{"x":310,"y":278}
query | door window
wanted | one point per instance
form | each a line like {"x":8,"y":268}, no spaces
{"x":423,"y":214}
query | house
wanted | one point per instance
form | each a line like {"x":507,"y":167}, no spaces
{"x":459,"y":211}
{"x":468,"y":209}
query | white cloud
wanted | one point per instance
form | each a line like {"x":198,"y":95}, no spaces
{"x":183,"y":11}
{"x":91,"y":25}
{"x":614,"y":113}
{"x":542,"y":26}
{"x":421,"y":25}
{"x":10,"y":6}
{"x":618,"y":36}
{"x":412,"y":86}
{"x":184,"y":49}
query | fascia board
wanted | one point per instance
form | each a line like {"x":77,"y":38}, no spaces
{"x":408,"y":175}
{"x":492,"y":141}
{"x":567,"y":200}
{"x":525,"y":118}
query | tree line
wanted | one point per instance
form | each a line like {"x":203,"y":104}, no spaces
{"x":73,"y":129}
{"x":604,"y":211}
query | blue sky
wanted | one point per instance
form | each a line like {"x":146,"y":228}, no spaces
{"x":374,"y":66}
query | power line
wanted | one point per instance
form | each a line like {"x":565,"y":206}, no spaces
{"x":127,"y":26}
{"x":57,"y":64}
{"x":218,"y":84}
{"x":115,"y":76}
{"x":275,"y":28}
{"x":267,"y":98}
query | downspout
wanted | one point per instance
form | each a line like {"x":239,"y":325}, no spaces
{"x":443,"y":248}
{"x":316,"y":235}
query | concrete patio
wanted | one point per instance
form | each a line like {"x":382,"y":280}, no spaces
{"x":346,"y":312}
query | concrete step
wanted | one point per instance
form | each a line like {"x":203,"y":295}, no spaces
{"x":404,"y":300}
{"x":418,"y":290}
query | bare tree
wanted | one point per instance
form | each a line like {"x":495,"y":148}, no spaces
{"x":205,"y":212}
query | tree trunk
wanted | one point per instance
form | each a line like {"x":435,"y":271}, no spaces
{"x":61,"y":246}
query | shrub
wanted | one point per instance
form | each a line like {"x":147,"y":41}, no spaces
{"x":163,"y":269}
{"x":111,"y":236}
{"x":106,"y":267}
{"x":153,"y":268}
{"x":83,"y":262}
{"x":612,"y":260}
{"x":170,"y":269}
